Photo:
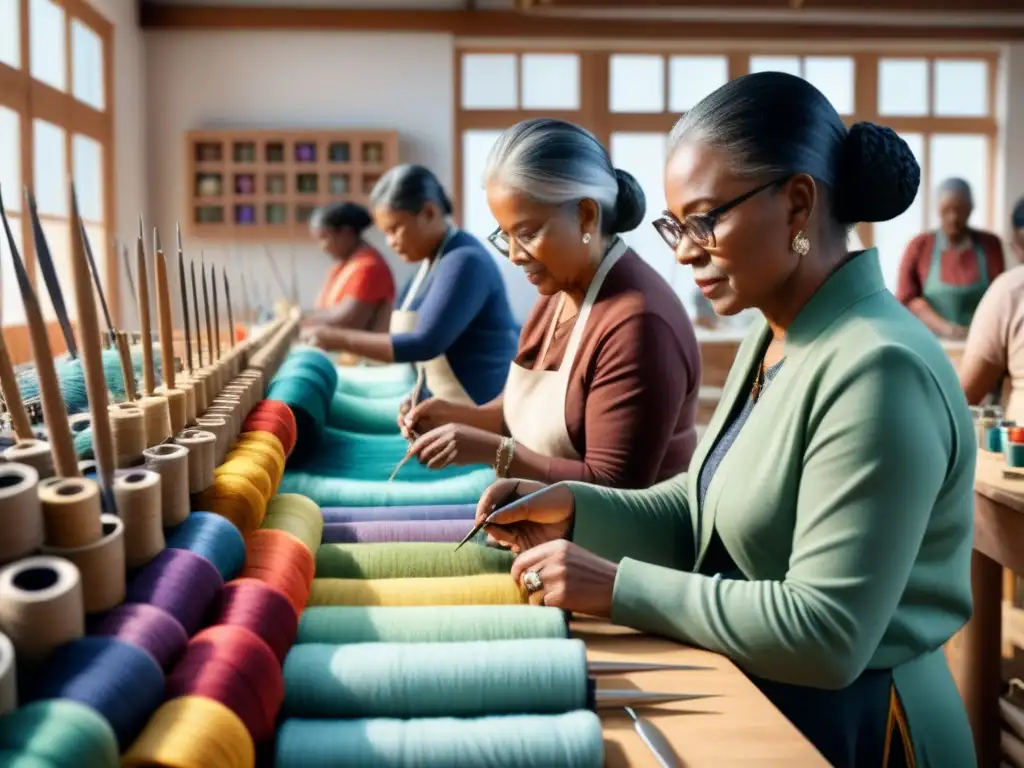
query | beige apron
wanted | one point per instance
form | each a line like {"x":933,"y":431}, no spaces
{"x":440,"y":378}
{"x":531,"y":396}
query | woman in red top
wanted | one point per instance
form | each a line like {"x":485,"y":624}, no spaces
{"x":359,"y":290}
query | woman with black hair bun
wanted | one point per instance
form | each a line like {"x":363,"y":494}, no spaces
{"x":359,"y":290}
{"x":822,"y":537}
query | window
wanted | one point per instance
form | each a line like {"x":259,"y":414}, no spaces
{"x":489,"y":81}
{"x":551,"y":81}
{"x":903,"y":87}
{"x":10,"y":33}
{"x":637,"y":83}
{"x":87,"y":69}
{"x":691,"y":78}
{"x":46,"y":36}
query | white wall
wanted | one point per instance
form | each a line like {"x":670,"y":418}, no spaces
{"x":293,"y":80}
{"x":1010,"y":167}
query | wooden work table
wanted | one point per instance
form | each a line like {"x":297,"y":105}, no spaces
{"x":736,"y":726}
{"x":998,"y":544}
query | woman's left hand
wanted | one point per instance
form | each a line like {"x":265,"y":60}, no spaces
{"x":322,"y":336}
{"x":571,"y":578}
{"x":455,"y":444}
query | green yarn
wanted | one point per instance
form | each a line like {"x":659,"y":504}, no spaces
{"x":338,"y":492}
{"x":571,"y":740}
{"x":376,"y":380}
{"x":296,"y":515}
{"x":83,"y":443}
{"x":409,"y":560}
{"x":65,"y":734}
{"x":372,"y":415}
{"x":10,"y":759}
{"x":429,"y":624}
{"x":501,"y":677}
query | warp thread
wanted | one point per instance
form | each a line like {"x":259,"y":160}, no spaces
{"x":371,"y":381}
{"x":181,"y":582}
{"x":152,"y":629}
{"x":213,"y":538}
{"x":405,"y":560}
{"x":370,"y":415}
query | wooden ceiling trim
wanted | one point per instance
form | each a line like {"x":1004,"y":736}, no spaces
{"x":922,"y":6}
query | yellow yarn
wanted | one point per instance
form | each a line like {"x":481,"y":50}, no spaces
{"x":192,"y":732}
{"x":235,"y":498}
{"x":250,"y":469}
{"x":265,"y":456}
{"x":486,"y":589}
{"x":298,"y":515}
{"x":268,"y":438}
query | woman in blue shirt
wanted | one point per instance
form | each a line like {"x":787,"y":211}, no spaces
{"x":453,"y":320}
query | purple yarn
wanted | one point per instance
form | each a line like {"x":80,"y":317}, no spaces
{"x":367,"y":514}
{"x":181,"y":582}
{"x":152,"y":629}
{"x":396,"y":530}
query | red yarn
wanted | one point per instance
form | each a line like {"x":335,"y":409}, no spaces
{"x":230,"y":664}
{"x":281,"y":561}
{"x":275,"y":417}
{"x":258,"y":607}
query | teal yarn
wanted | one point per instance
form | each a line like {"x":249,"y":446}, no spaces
{"x":61,"y":734}
{"x":570,"y":740}
{"x":429,"y":624}
{"x":376,"y":380}
{"x":82,"y":440}
{"x":338,"y":492}
{"x":409,"y":560}
{"x":306,"y":382}
{"x":373,"y":415}
{"x":502,"y":677}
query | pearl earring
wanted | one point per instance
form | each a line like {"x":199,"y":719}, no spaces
{"x":586,"y":238}
{"x":800,"y":245}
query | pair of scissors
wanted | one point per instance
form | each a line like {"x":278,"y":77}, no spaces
{"x":507,"y":499}
{"x":413,"y":400}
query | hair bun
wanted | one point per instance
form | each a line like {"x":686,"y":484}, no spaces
{"x":878,"y":175}
{"x":630,"y":203}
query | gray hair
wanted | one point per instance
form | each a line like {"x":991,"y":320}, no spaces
{"x":555,"y":163}
{"x":408,"y":188}
{"x":958,"y":188}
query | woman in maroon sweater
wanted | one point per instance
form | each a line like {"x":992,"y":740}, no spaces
{"x":605,"y":384}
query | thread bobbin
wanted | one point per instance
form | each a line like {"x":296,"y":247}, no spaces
{"x":177,"y":407}
{"x":220,"y":428}
{"x":20,"y":511}
{"x":41,"y":606}
{"x":101,"y":564}
{"x":34,"y":453}
{"x":202,"y":457}
{"x":171,"y":462}
{"x":139,"y":497}
{"x":71,"y":512}
{"x":157,"y":415}
{"x":128,"y":428}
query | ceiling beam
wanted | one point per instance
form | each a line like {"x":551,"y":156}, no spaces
{"x":922,"y":6}
{"x":521,"y":25}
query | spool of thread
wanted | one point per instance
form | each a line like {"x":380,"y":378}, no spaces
{"x":281,"y":415}
{"x":139,"y":499}
{"x":9,"y":677}
{"x":236,"y":498}
{"x":229,"y":415}
{"x":71,"y":512}
{"x":488,"y":589}
{"x":212,"y":537}
{"x":79,"y":422}
{"x":269,"y":458}
{"x":157,"y":415}
{"x":266,"y":612}
{"x":243,"y":390}
{"x":199,"y":389}
{"x":570,"y":740}
{"x":281,"y":561}
{"x":382,"y":531}
{"x":227,"y":401}
{"x":40,"y":606}
{"x":418,"y":512}
{"x":232,"y":665}
{"x":306,"y":384}
{"x":171,"y":463}
{"x":339,"y":625}
{"x":34,"y":453}
{"x":177,"y":408}
{"x":101,"y":565}
{"x":192,"y":732}
{"x":245,"y":466}
{"x":298,"y":516}
{"x":267,"y":439}
{"x":189,"y":389}
{"x":145,"y":626}
{"x":128,"y":425}
{"x":202,"y":457}
{"x":60,"y":734}
{"x":220,"y":429}
{"x":256,"y":376}
{"x":409,"y":560}
{"x":21,"y":515}
{"x":181,"y":582}
{"x":121,"y":682}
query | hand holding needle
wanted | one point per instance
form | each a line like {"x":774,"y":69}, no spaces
{"x":413,"y":400}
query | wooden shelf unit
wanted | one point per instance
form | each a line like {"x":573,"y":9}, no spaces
{"x":263,"y":185}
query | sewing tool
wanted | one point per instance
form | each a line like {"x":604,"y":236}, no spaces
{"x":195,"y":307}
{"x":184,"y":309}
{"x":181,"y":407}
{"x":507,"y":499}
{"x":227,"y":302}
{"x":111,"y":333}
{"x":50,"y":275}
{"x":655,"y":740}
{"x":156,"y":409}
{"x":413,"y":400}
{"x":216,"y":310}
{"x":131,"y":282}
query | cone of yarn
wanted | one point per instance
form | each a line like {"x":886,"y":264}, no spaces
{"x":212,"y":537}
{"x":180,"y":582}
{"x":235,"y":498}
{"x":298,"y":516}
{"x":145,"y":626}
{"x":192,"y":732}
{"x":251,"y":470}
{"x":263,"y":610}
{"x":282,"y":562}
{"x":59,"y":733}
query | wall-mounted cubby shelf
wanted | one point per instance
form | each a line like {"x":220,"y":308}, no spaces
{"x":264,"y":185}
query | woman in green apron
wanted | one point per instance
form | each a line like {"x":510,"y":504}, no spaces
{"x":944,"y":274}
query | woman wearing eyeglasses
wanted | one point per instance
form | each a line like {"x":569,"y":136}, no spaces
{"x":453,"y":320}
{"x":822,"y":538}
{"x":605,"y":384}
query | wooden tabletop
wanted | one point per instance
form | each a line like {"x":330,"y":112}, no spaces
{"x":999,"y":511}
{"x":994,"y":480}
{"x":737,"y":726}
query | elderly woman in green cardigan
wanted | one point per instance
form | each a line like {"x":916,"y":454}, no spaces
{"x":822,"y":537}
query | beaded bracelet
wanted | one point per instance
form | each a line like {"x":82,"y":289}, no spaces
{"x":506,"y":450}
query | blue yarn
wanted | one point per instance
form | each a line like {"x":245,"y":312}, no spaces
{"x":377,"y":380}
{"x":212,"y":537}
{"x":417,"y":512}
{"x":57,"y":734}
{"x":305,"y":383}
{"x":121,"y":682}
{"x":571,"y":740}
{"x":372,"y":415}
{"x":335,"y":492}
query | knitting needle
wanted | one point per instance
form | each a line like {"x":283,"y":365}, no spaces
{"x":99,"y":285}
{"x":486,"y":522}
{"x":206,"y":309}
{"x":413,"y":399}
{"x":231,"y":314}
{"x":184,"y":304}
{"x":216,"y":310}
{"x":50,"y":276}
{"x":655,"y":740}
{"x":8,"y":379}
{"x":195,"y":309}
{"x":145,"y":330}
{"x":164,"y":322}
{"x":609,"y":699}
{"x":628,"y":667}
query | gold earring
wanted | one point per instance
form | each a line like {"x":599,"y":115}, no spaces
{"x":801,"y":246}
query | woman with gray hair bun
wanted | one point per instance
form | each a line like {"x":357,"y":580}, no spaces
{"x":605,"y":384}
{"x":944,"y":274}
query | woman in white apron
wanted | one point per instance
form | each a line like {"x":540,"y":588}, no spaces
{"x":605,"y":384}
{"x":453,"y":322}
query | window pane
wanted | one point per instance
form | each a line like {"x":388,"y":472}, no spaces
{"x":891,"y":237}
{"x":10,"y":158}
{"x":10,"y":33}
{"x":13,"y":308}
{"x":46,"y":36}
{"x":551,"y":81}
{"x":691,"y":78}
{"x":903,"y":87}
{"x":87,"y":173}
{"x":833,"y":76}
{"x":489,"y":81}
{"x":57,"y":232}
{"x":966,"y":156}
{"x":87,"y":65}
{"x":50,"y":170}
{"x":637,"y":83}
{"x":961,"y":88}
{"x":788,"y":64}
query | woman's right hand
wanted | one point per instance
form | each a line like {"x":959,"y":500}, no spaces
{"x":529,"y":513}
{"x":425,"y":416}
